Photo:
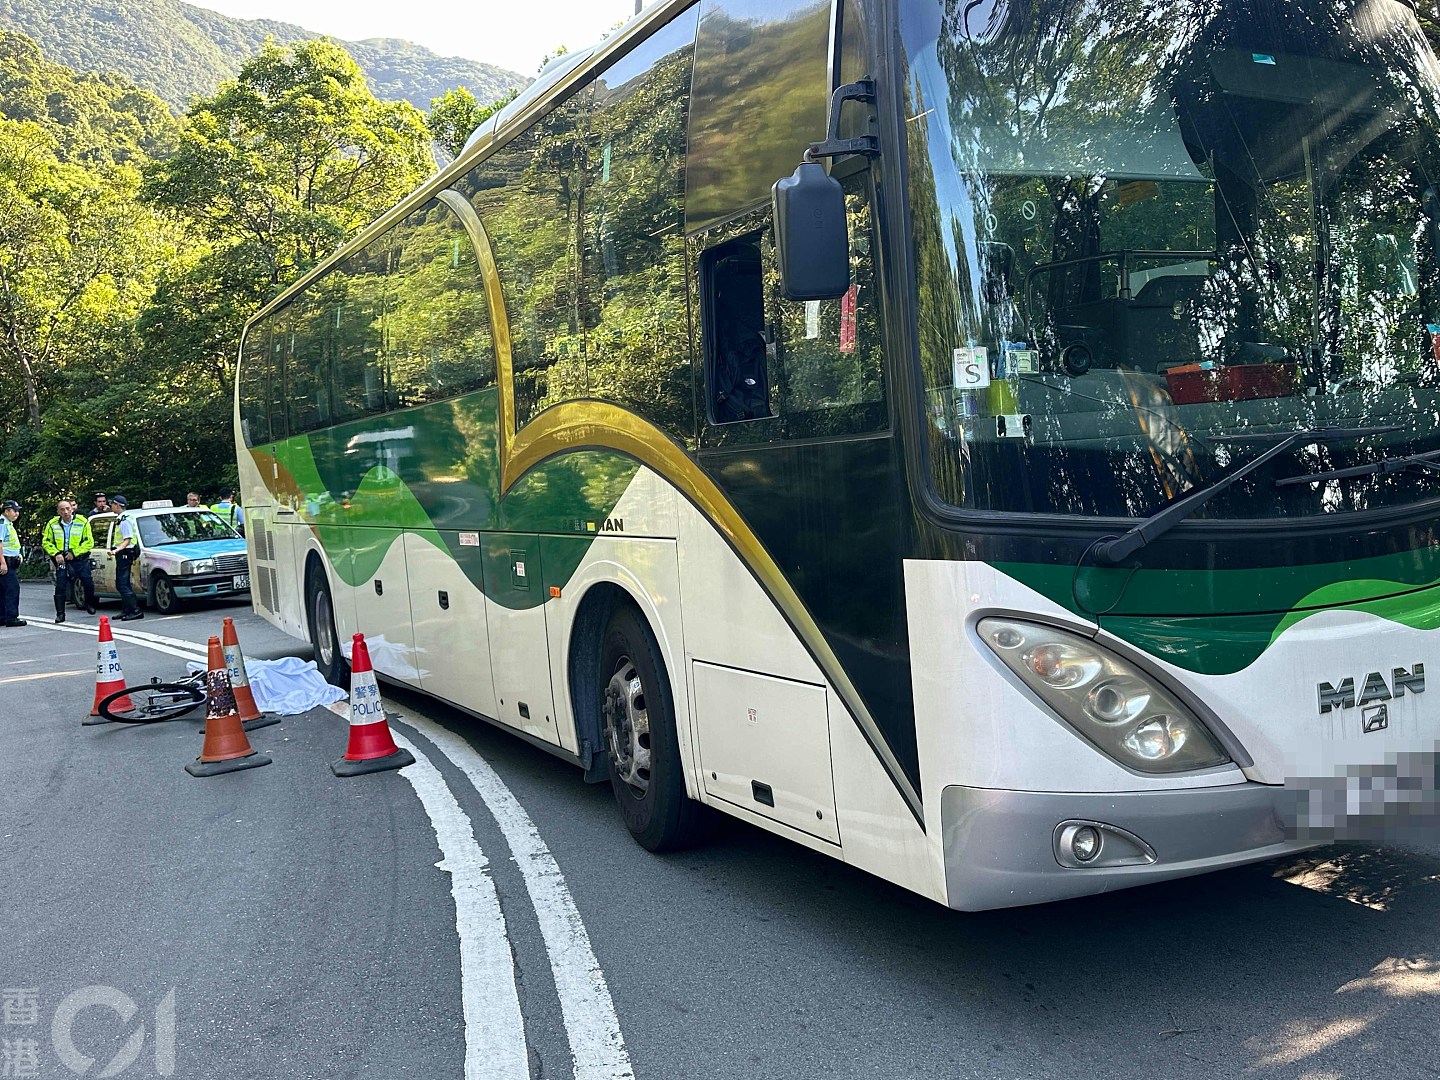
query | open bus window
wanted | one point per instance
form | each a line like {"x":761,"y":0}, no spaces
{"x":737,"y":378}
{"x":809,"y":369}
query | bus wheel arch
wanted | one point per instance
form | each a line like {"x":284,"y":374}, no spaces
{"x":320,"y":621}
{"x":623,"y":697}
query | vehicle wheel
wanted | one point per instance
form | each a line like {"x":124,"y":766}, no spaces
{"x":77,"y":593}
{"x":162,"y":594}
{"x":152,"y":704}
{"x":321,"y":609}
{"x":638,"y":713}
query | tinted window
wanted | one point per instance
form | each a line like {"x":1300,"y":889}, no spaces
{"x":308,"y":390}
{"x":255,"y":385}
{"x":359,"y":315}
{"x":633,"y":289}
{"x":761,"y":94}
{"x":527,"y":196}
{"x":437,"y":323}
{"x":783,"y":369}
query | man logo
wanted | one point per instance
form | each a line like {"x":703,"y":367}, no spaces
{"x":1373,"y":689}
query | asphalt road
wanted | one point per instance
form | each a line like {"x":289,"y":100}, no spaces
{"x":301,"y":927}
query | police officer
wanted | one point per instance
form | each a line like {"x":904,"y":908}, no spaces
{"x":9,"y":565}
{"x":230,"y":511}
{"x":125,"y":552}
{"x":68,"y":541}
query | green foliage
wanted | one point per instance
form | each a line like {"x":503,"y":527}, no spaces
{"x":286,"y":161}
{"x":183,"y":52}
{"x":456,"y":114}
{"x":134,"y":247}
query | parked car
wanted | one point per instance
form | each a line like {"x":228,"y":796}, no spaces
{"x":186,"y":553}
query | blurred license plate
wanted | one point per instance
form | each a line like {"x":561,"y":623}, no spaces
{"x":242,"y":581}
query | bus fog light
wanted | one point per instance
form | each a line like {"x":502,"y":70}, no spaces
{"x":1122,"y":710}
{"x":1085,"y":843}
{"x":1081,"y":845}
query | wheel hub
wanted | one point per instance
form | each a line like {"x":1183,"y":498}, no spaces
{"x":324,"y":636}
{"x":627,"y":727}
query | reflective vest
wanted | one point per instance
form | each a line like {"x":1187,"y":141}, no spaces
{"x":232,"y":514}
{"x":125,"y":530}
{"x":81,"y":539}
{"x":9,"y":538}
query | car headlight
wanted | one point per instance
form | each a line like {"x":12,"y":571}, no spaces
{"x":1109,"y":701}
{"x":198,"y":566}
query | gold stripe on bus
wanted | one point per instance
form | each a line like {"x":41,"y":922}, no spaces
{"x":584,"y":425}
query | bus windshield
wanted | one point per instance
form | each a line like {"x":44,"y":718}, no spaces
{"x":1152,"y":239}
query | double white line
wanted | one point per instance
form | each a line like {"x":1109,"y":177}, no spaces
{"x":495,"y":1043}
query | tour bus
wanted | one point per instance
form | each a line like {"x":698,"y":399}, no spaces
{"x":994,"y":444}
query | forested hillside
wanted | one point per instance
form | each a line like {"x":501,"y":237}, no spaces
{"x":134,"y":245}
{"x":182,"y":52}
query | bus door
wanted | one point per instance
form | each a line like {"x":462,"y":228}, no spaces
{"x":382,"y":600}
{"x":452,"y":633}
{"x":519,"y":641}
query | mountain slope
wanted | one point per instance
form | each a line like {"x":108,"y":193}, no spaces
{"x":181,"y":51}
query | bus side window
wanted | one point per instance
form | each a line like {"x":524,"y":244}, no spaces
{"x":737,"y":375}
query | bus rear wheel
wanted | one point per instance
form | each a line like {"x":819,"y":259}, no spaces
{"x":638,"y":713}
{"x":321,"y":611}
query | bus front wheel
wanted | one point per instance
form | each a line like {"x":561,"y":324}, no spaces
{"x":638,"y":713}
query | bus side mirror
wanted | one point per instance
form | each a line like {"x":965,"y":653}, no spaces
{"x":812,"y":240}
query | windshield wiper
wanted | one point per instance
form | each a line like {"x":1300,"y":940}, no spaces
{"x":1117,"y":549}
{"x":1425,"y":463}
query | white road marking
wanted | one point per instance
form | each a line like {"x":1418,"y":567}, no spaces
{"x":45,"y":675}
{"x":171,"y":646}
{"x":495,"y":1046}
{"x":596,"y":1043}
{"x":597,"y":1046}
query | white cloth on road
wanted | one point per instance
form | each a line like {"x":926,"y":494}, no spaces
{"x":288,"y":686}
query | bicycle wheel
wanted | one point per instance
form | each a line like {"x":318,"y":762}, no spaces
{"x":153,"y":703}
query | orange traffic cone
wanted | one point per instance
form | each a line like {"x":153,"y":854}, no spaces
{"x":372,"y":748}
{"x":250,"y":715}
{"x":226,"y":748}
{"x":109,"y":679}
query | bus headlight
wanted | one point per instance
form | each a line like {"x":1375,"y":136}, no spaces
{"x":1106,"y":699}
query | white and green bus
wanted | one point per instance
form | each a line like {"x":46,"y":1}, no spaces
{"x":1080,"y":529}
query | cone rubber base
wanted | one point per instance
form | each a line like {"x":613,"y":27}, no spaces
{"x":263,"y":720}
{"x":398,"y":760}
{"x":215,"y":768}
{"x":91,"y":721}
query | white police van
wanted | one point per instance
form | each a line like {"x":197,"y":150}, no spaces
{"x":186,"y":553}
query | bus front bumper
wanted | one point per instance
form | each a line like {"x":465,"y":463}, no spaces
{"x":1004,"y":848}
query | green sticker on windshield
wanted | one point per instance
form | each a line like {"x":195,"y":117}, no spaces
{"x":1263,"y":58}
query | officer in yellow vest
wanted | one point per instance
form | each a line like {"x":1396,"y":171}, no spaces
{"x":9,"y":565}
{"x":67,"y":539}
{"x":230,"y":511}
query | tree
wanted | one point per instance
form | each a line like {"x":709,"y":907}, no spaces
{"x":455,"y":116}
{"x":284,"y":163}
{"x":77,"y":254}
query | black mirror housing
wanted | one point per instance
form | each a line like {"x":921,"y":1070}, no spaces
{"x":812,"y":240}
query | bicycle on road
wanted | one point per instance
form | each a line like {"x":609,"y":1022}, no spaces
{"x":155,"y":701}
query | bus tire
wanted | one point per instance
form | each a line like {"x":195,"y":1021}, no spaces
{"x":638,"y":718}
{"x":320,"y":617}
